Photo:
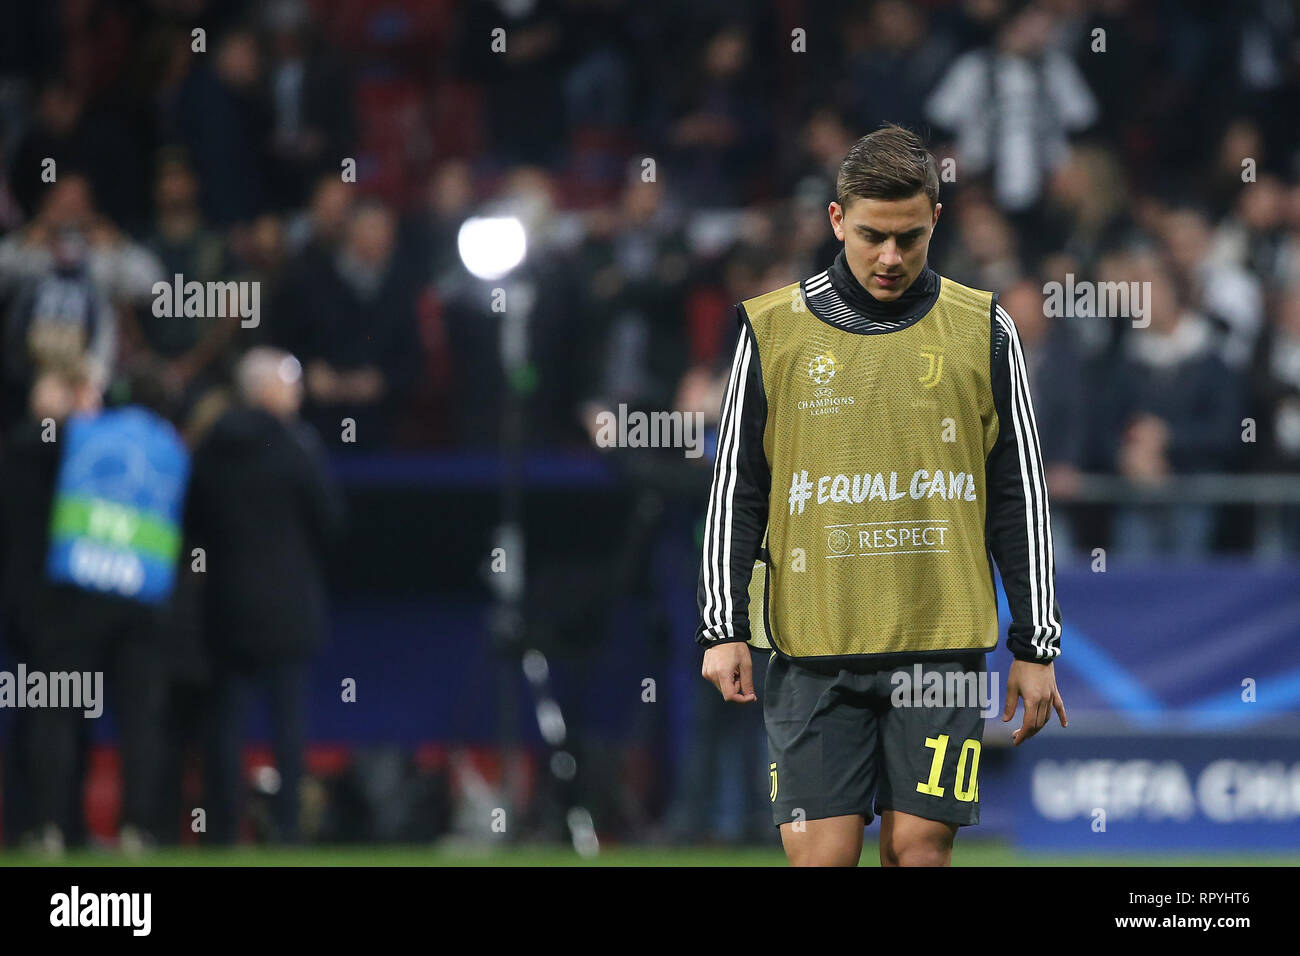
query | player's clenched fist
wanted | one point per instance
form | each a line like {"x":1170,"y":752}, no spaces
{"x":729,"y":668}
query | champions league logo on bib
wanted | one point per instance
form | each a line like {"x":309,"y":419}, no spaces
{"x":821,"y":369}
{"x":115,"y":526}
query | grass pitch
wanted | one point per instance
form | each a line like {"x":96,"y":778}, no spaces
{"x":969,"y":853}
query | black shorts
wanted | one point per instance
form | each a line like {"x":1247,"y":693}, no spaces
{"x":838,"y":737}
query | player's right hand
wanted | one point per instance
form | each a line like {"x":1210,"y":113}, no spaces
{"x":730,"y":669}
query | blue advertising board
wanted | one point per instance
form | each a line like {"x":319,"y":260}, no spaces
{"x":1096,"y":793}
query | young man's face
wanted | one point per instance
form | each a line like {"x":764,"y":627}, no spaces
{"x":885,"y":241}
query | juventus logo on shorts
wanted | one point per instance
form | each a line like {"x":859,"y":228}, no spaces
{"x":772,"y":773}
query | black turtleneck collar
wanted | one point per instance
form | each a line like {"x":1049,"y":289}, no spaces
{"x":915,"y":301}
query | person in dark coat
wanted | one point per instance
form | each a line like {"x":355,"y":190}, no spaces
{"x":1177,"y":409}
{"x":350,"y":316}
{"x":29,"y":465}
{"x":263,"y":510}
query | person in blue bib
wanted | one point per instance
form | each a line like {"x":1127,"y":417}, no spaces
{"x":109,"y":572}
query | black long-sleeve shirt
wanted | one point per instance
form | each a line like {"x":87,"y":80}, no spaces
{"x":1018,"y":532}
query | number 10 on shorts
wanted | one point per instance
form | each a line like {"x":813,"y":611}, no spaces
{"x":970,"y":749}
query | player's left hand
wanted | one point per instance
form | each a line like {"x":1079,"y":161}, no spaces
{"x":1036,"y":683}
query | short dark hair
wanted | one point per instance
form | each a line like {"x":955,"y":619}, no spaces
{"x":891,"y":163}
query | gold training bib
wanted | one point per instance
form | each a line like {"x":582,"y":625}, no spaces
{"x":877,"y":446}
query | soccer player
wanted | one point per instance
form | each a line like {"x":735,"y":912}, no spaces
{"x":877,"y":452}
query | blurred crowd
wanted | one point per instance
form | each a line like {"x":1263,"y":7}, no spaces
{"x":665,"y":160}
{"x":1103,"y":140}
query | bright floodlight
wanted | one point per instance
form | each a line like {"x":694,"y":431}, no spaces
{"x":289,"y":370}
{"x":490,"y":246}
